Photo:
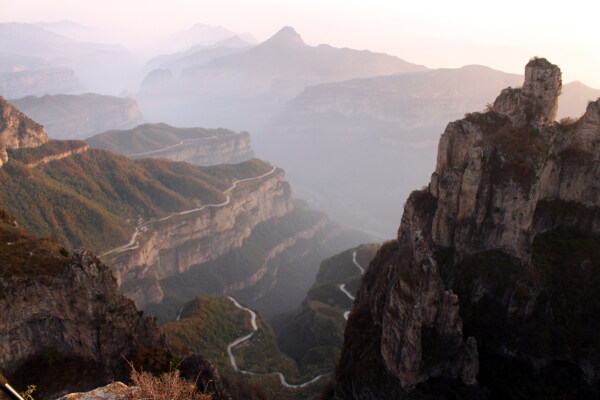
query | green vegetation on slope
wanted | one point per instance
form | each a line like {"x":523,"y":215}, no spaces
{"x":209,"y":324}
{"x":33,"y":154}
{"x":237,"y":266}
{"x":150,"y":137}
{"x":313,"y":335}
{"x":91,"y":199}
{"x":24,"y":254}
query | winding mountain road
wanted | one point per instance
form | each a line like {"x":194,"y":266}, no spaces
{"x":362,"y":270}
{"x":347,"y":293}
{"x":342,"y":287}
{"x":134,"y":243}
{"x":242,"y":339}
{"x":147,"y":153}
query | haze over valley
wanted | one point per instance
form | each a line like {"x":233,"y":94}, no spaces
{"x":281,"y":211}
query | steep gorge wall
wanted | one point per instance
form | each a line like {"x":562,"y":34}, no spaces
{"x":59,"y":156}
{"x":174,"y":245}
{"x":220,"y":149}
{"x":273,"y":252}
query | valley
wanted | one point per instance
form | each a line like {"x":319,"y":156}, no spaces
{"x":258,"y":214}
{"x":241,"y":232}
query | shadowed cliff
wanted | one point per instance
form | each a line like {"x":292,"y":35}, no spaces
{"x":490,"y":288}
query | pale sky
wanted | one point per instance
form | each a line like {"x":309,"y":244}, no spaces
{"x":501,"y":34}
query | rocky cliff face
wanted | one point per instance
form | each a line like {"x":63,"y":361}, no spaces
{"x":229,"y":149}
{"x":64,"y":312}
{"x":469,"y":291}
{"x":38,"y":82}
{"x":77,"y":147}
{"x":80,"y":116}
{"x":197,"y":146}
{"x":173,"y":246}
{"x":17,"y":130}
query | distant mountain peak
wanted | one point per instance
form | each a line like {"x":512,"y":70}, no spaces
{"x":286,"y":36}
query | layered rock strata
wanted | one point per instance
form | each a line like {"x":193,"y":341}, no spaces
{"x":194,"y":145}
{"x":231,"y":149}
{"x":463,"y":286}
{"x":78,"y":148}
{"x":173,"y":246}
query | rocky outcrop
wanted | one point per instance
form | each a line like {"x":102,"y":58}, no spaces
{"x":59,"y":156}
{"x":173,"y":246}
{"x":194,"y":145}
{"x":112,"y":391}
{"x":471,"y":281}
{"x":17,"y":130}
{"x":66,"y":312}
{"x":80,"y":116}
{"x":537,"y":99}
{"x":230,"y":149}
{"x":194,"y":368}
{"x":38,"y":82}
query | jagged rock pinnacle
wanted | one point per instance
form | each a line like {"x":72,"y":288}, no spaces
{"x":537,"y":101}
{"x":543,"y":83}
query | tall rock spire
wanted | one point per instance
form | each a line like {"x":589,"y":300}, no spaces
{"x":543,"y":83}
{"x":537,"y":102}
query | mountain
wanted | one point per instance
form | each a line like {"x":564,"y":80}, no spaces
{"x":74,"y":31}
{"x":24,"y":39}
{"x":170,"y":230}
{"x":243,"y":89}
{"x":100,"y":67}
{"x":10,"y":62}
{"x":283,"y":65}
{"x":93,"y":198}
{"x":38,"y":81}
{"x":62,"y":312}
{"x":197,"y":55}
{"x":194,"y":145}
{"x":376,"y":138}
{"x":490,"y":288}
{"x":574,"y":99}
{"x":205,"y":35}
{"x":80,"y":116}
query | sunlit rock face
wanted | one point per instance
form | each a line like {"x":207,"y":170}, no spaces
{"x":180,"y":243}
{"x":471,"y":281}
{"x":17,"y":130}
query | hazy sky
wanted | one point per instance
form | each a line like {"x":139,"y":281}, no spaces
{"x":502,"y":34}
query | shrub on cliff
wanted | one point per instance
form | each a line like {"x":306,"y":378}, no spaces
{"x":168,"y":386}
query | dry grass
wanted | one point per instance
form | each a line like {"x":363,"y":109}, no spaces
{"x":168,"y":386}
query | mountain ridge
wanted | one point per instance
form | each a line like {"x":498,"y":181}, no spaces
{"x":480,"y":260}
